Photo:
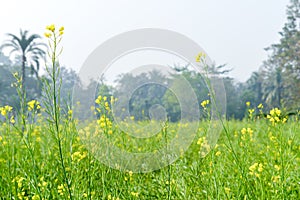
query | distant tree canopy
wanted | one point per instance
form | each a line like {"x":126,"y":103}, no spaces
{"x":280,"y":73}
{"x":143,"y":94}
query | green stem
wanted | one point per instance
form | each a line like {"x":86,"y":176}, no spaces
{"x":56,"y":106}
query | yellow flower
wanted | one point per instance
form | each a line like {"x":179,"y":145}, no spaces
{"x":248,"y":103}
{"x":244,"y":131}
{"x":6,"y":109}
{"x":218,"y":153}
{"x":61,"y":33}
{"x":47,"y":35}
{"x":275,"y":179}
{"x":60,"y":189}
{"x":62,"y":28}
{"x":204,"y":103}
{"x":51,"y":27}
{"x":277,"y":167}
{"x":135,"y":194}
{"x":3,"y":111}
{"x":260,"y":106}
{"x":200,"y":56}
{"x":284,"y":120}
{"x":12,"y":120}
{"x":275,"y":112}
{"x":130,"y":173}
{"x":275,"y":115}
{"x":251,"y":111}
{"x":35,"y":197}
{"x":227,"y":190}
{"x":31,"y":104}
{"x":253,"y":167}
{"x":98,"y":100}
{"x":102,"y":124}
{"x":21,"y":195}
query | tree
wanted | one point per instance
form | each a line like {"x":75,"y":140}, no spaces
{"x":30,"y":51}
{"x":273,"y":87}
{"x":140,"y":94}
{"x":4,"y":60}
{"x":282,"y":69}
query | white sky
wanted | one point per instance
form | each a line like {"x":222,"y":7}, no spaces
{"x":230,"y":31}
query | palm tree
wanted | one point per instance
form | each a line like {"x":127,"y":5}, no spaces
{"x":28,"y":49}
{"x":273,"y":87}
{"x":254,"y":83}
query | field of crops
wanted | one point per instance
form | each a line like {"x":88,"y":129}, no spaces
{"x":253,"y":159}
{"x":46,"y":152}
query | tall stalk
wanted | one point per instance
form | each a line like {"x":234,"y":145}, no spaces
{"x":202,"y":59}
{"x":52,"y":97}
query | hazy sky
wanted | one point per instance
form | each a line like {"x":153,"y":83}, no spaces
{"x":230,"y":31}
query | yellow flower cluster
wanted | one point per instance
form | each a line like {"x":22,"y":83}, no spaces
{"x":130,"y":173}
{"x":204,"y":146}
{"x":245,"y":132}
{"x":19,"y":180}
{"x":51,"y":31}
{"x":276,"y":179}
{"x":109,"y":197}
{"x":61,"y":189}
{"x":33,"y":104}
{"x":42,"y":182}
{"x":251,"y":111}
{"x":51,"y":27}
{"x":227,"y":190}
{"x":5,"y":110}
{"x":104,"y":122}
{"x":256,"y":169}
{"x":135,"y":194}
{"x":200,"y":57}
{"x":204,"y":103}
{"x":172,"y":182}
{"x":98,"y":100}
{"x":275,"y":111}
{"x":275,"y":116}
{"x":77,"y":156}
{"x":104,"y":103}
{"x":36,"y":197}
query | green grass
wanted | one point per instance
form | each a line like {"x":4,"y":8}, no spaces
{"x":30,"y":167}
